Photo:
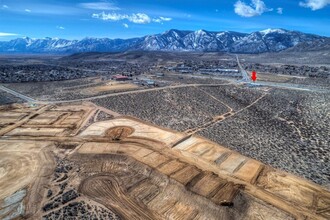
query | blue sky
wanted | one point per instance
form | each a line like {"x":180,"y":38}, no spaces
{"x":76,"y":19}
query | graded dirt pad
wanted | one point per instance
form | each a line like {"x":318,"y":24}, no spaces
{"x":118,"y":133}
{"x":23,"y":166}
{"x":109,"y":87}
{"x":60,"y":162}
{"x":20,"y":165}
{"x":116,"y":86}
{"x":107,"y":191}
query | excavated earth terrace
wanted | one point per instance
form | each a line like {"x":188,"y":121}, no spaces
{"x":67,"y":162}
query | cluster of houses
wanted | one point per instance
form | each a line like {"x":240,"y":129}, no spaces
{"x":142,"y":82}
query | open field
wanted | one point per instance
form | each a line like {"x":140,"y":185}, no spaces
{"x":71,"y":89}
{"x":124,"y":168}
{"x":294,"y":124}
{"x":6,"y":98}
{"x":168,"y":108}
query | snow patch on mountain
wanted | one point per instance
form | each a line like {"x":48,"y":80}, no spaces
{"x":269,"y":40}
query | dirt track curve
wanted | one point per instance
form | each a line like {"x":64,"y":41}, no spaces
{"x":107,"y":191}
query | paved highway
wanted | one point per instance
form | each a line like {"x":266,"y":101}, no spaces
{"x":245,"y":75}
{"x":19,"y":95}
{"x":137,"y":91}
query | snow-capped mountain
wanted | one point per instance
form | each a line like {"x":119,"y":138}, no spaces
{"x":269,"y":40}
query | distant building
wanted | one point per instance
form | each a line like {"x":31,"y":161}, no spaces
{"x":120,"y":78}
{"x":219,"y":70}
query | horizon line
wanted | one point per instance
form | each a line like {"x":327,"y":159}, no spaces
{"x":87,"y":37}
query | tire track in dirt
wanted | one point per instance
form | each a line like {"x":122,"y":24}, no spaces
{"x":220,"y":118}
{"x":107,"y":191}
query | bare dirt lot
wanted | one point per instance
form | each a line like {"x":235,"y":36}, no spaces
{"x":124,"y":168}
{"x":71,"y":89}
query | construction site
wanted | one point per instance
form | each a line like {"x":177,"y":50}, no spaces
{"x":196,"y":147}
{"x":84,"y":161}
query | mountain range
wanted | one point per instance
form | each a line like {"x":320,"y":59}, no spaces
{"x":269,"y":40}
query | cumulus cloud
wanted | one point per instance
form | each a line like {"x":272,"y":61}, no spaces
{"x":125,"y":25}
{"x":280,"y":11}
{"x":138,"y":18}
{"x":60,"y":27}
{"x":257,"y":7}
{"x":314,"y":4}
{"x":5,"y":6}
{"x":99,"y":6}
{"x":4,"y":34}
{"x":27,"y":10}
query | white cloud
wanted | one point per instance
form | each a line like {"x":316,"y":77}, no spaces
{"x":4,"y":34}
{"x":280,"y":11}
{"x":165,"y":19}
{"x":125,"y":25}
{"x":60,"y":27}
{"x":257,"y":7}
{"x":161,"y":19}
{"x":314,"y":4}
{"x":138,"y":18}
{"x":106,"y":17}
{"x":5,"y":6}
{"x":99,"y":6}
{"x":27,"y":10}
{"x":157,"y":20}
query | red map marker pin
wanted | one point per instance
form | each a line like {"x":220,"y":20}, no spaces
{"x":254,"y":76}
